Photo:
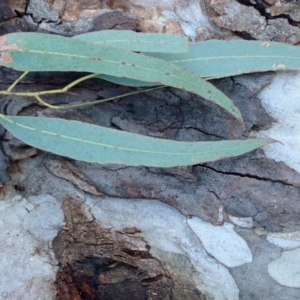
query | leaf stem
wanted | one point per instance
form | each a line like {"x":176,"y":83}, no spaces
{"x":82,"y":105}
{"x":17,"y":81}
{"x":67,"y":87}
{"x":39,"y":99}
{"x":37,"y":95}
{"x":34,"y":94}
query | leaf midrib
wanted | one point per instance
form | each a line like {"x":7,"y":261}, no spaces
{"x":111,"y":61}
{"x":234,"y":57}
{"x":135,"y":41}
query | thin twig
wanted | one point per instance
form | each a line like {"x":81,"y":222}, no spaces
{"x":39,"y":99}
{"x":67,"y":87}
{"x":17,"y":81}
{"x":37,"y":95}
{"x":82,"y":105}
{"x":34,"y":94}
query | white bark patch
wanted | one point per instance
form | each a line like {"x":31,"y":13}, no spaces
{"x":246,"y":222}
{"x":285,"y":240}
{"x":222,"y":242}
{"x":27,"y":263}
{"x":286,"y":269}
{"x":279,"y":67}
{"x":166,"y":231}
{"x":281,"y":99}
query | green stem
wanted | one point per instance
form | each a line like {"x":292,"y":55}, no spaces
{"x":17,"y":81}
{"x":37,"y":95}
{"x":39,"y":99}
{"x":82,"y":105}
{"x":34,"y":94}
{"x":67,"y":87}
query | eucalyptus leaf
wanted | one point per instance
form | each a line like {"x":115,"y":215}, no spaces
{"x":216,"y":59}
{"x":44,"y":52}
{"x":133,"y":41}
{"x":91,"y":143}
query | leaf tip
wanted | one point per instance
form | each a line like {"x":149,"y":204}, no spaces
{"x":237,"y":114}
{"x":270,"y":141}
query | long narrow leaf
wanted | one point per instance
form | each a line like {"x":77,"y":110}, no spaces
{"x":133,"y":41}
{"x":42,"y":52}
{"x":215,"y":59}
{"x":93,"y":143}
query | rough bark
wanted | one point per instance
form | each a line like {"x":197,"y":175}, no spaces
{"x":95,"y":261}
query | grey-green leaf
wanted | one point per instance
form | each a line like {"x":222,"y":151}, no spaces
{"x":44,"y":52}
{"x":216,"y":59}
{"x":127,"y":81}
{"x":93,"y":143}
{"x":133,"y":41}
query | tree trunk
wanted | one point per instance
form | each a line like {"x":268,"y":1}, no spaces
{"x":221,"y":230}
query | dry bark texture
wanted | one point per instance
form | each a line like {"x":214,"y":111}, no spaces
{"x":98,"y":262}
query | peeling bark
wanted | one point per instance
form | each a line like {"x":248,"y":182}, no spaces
{"x":256,"y":194}
{"x":97,"y":263}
